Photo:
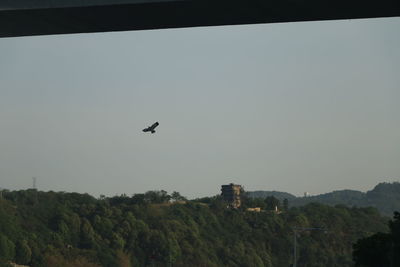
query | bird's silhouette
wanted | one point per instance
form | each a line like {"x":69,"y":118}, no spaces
{"x":151,"y":128}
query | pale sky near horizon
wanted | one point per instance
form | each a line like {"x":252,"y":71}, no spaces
{"x":294,"y":107}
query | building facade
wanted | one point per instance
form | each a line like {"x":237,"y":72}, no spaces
{"x":231,"y":194}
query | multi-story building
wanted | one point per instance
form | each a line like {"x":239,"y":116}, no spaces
{"x":231,"y":194}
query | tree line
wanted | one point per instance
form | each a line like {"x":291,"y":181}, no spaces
{"x":160,"y":229}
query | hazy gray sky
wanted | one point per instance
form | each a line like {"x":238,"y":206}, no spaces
{"x":292,"y":107}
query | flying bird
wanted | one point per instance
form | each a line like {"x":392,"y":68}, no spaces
{"x":151,"y":128}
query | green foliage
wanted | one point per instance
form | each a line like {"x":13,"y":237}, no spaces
{"x":263,"y":194}
{"x":272,"y":203}
{"x":285,"y":204}
{"x":4,"y":263}
{"x":385,"y":197}
{"x":380,"y":249}
{"x":68,"y":229}
{"x":373,"y":251}
{"x":175,"y":196}
{"x":23,"y":252}
{"x":7,"y":248}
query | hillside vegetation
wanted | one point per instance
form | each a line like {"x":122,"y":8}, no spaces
{"x":380,"y":249}
{"x":385,"y":197}
{"x":71,"y":229}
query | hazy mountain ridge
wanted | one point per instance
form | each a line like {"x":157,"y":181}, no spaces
{"x":384,"y":196}
{"x":263,"y":194}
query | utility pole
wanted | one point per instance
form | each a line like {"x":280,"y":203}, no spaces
{"x":295,"y":231}
{"x":294,"y":248}
{"x":34,"y":182}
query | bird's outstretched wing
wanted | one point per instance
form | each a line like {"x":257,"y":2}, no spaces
{"x":154,"y":125}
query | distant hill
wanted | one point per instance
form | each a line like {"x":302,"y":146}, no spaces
{"x":263,"y":194}
{"x":346,"y":197}
{"x":385,"y":197}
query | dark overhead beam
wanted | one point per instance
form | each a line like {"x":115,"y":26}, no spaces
{"x":43,"y":17}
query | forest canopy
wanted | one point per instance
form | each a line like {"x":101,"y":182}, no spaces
{"x":160,"y":229}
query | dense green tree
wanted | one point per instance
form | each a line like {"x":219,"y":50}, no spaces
{"x":4,"y":263}
{"x":7,"y":248}
{"x":23,"y":253}
{"x":272,"y":203}
{"x":176,"y":196}
{"x":88,"y":239}
{"x":380,"y":249}
{"x":285,"y":204}
{"x":157,"y":196}
{"x":373,"y":251}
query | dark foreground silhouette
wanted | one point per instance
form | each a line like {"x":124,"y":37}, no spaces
{"x":151,"y":128}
